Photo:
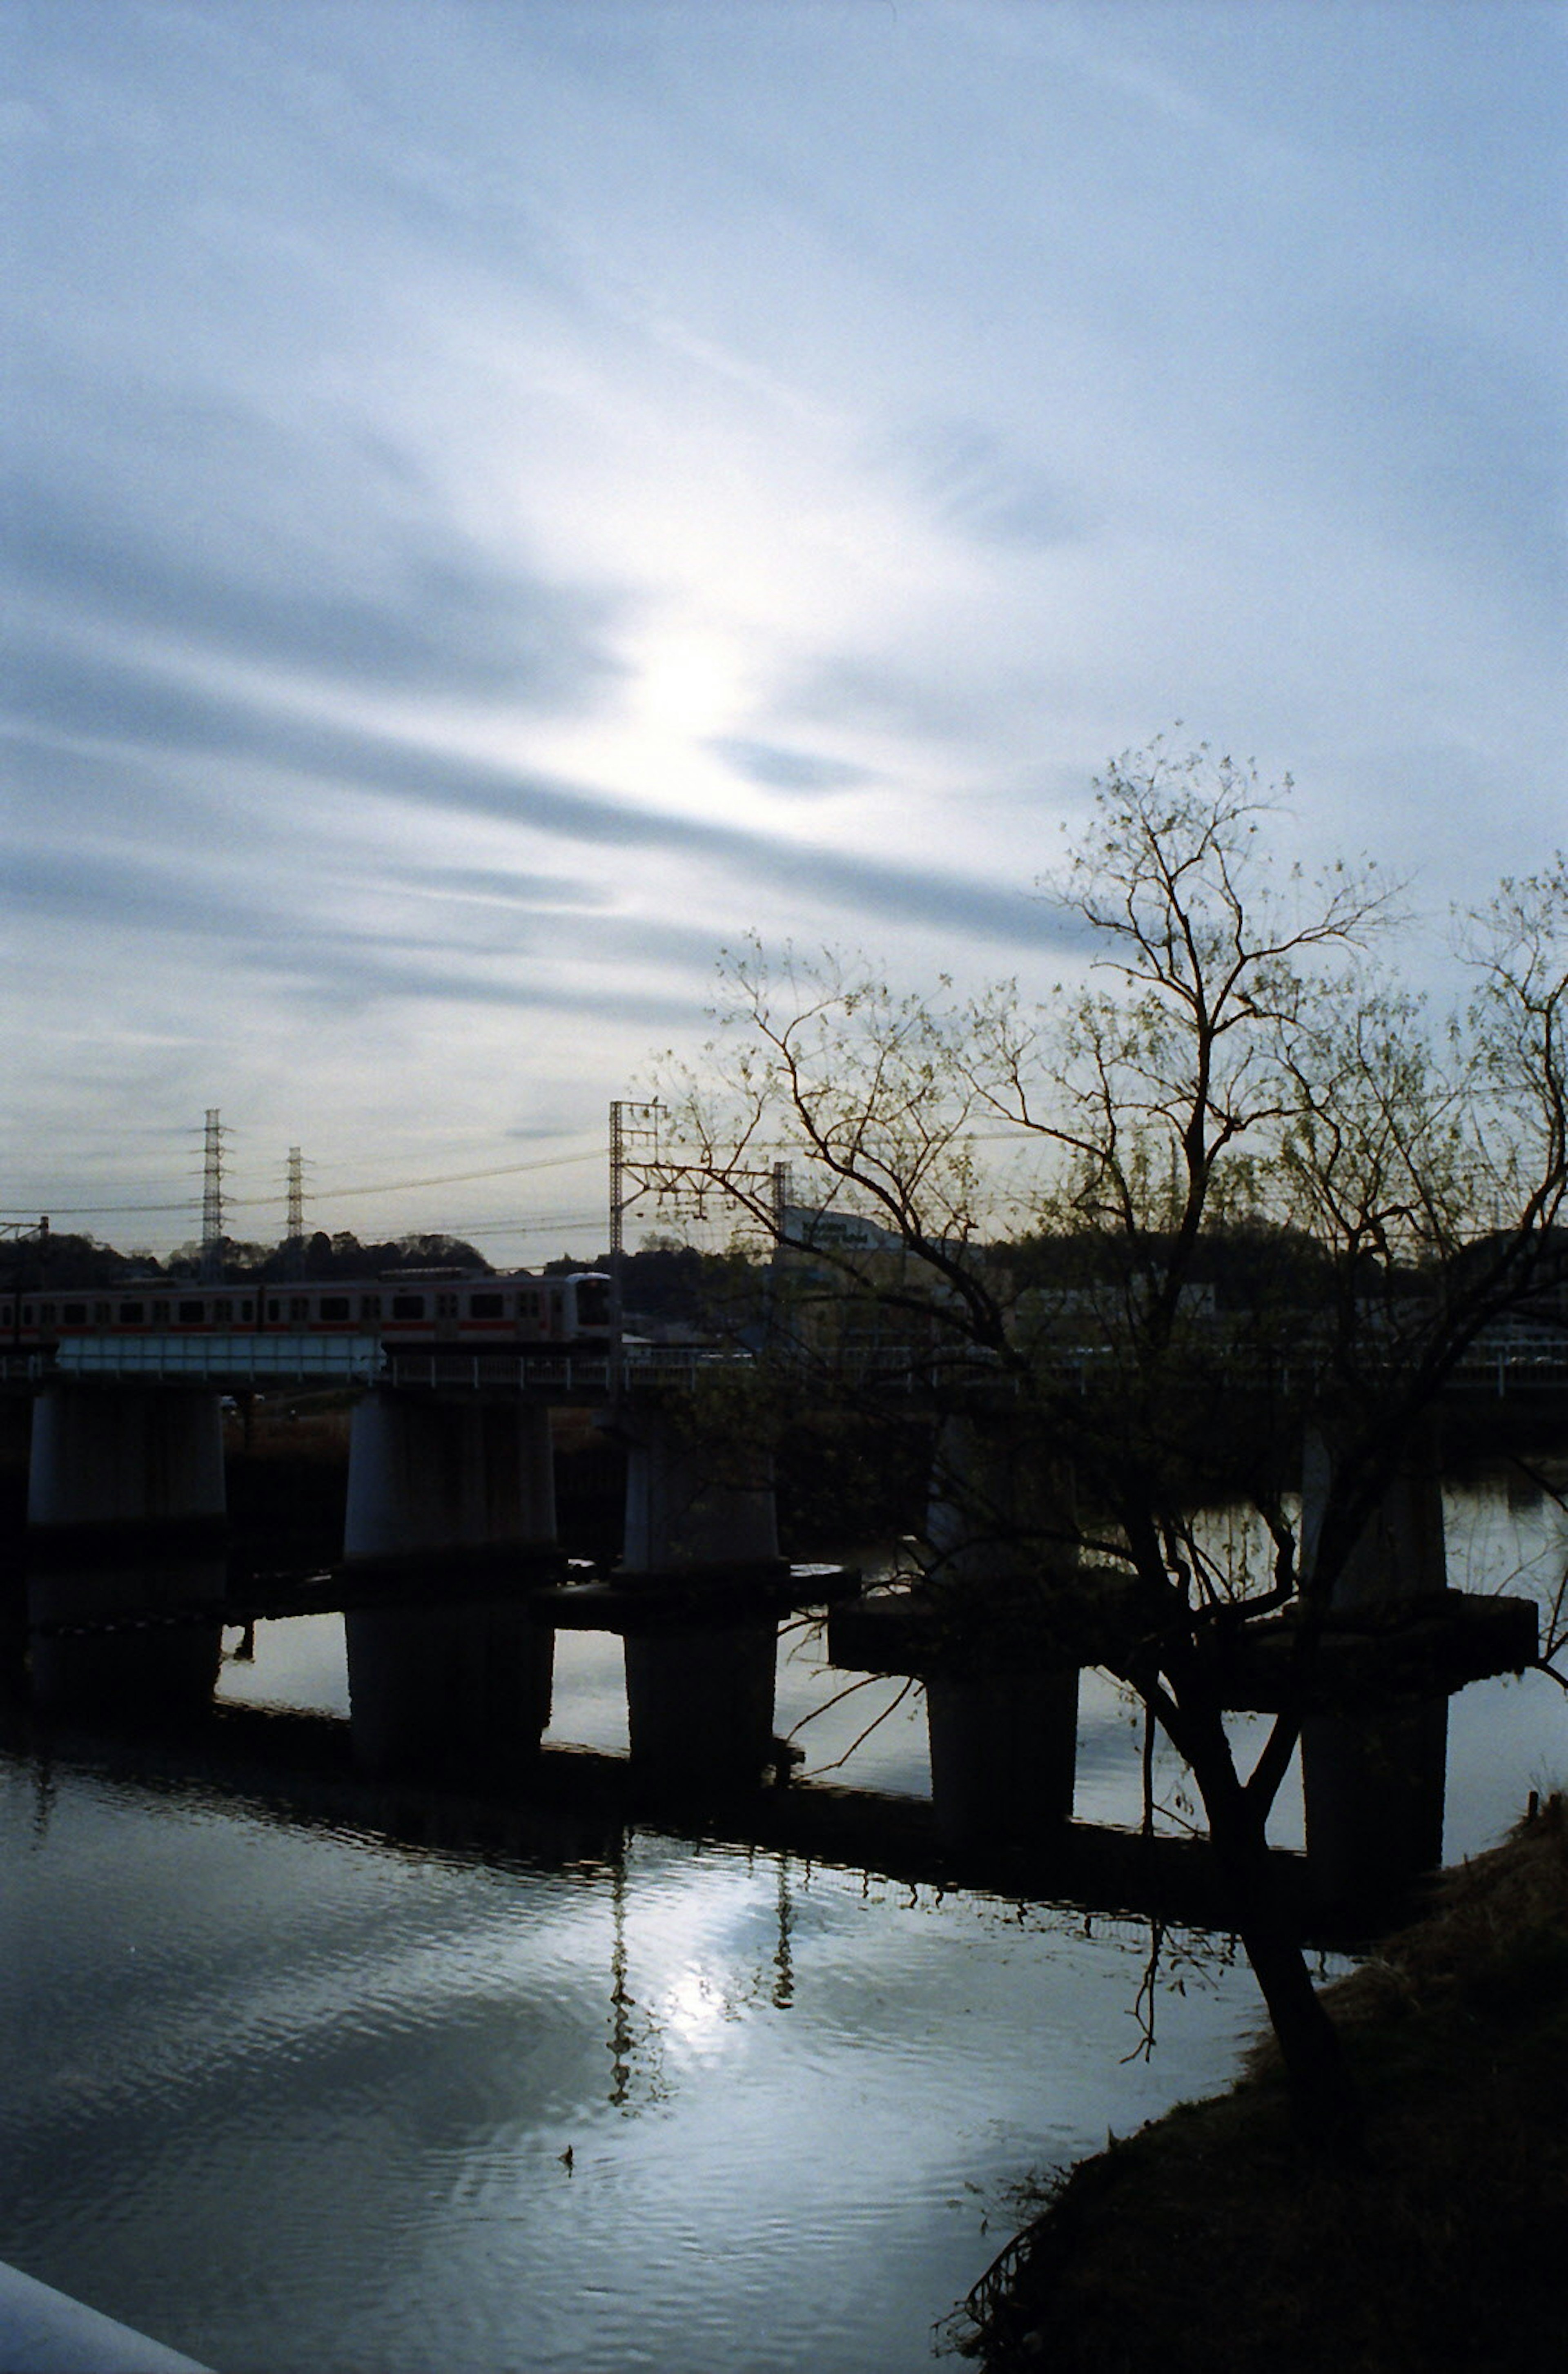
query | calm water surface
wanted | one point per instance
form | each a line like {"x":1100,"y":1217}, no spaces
{"x":291,"y":2097}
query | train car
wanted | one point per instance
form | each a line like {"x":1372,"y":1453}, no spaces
{"x":405,"y":1310}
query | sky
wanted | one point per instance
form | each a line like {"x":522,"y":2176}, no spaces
{"x":503,"y":497}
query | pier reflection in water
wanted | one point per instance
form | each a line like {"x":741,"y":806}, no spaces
{"x":293,"y":2097}
{"x":1505,"y":1736}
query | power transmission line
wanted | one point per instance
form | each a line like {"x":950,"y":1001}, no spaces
{"x":453,"y":1177}
{"x":384,"y":1187}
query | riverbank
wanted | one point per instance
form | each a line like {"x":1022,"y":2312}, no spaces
{"x":1208,"y":2241}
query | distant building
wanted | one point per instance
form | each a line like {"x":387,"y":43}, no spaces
{"x":847,"y":1286}
{"x":801,"y":1228}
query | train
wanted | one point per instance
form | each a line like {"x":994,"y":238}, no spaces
{"x":412,"y":1310}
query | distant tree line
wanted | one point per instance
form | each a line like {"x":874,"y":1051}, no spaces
{"x":68,"y":1259}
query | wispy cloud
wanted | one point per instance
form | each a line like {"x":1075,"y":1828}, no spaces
{"x":778,"y":769}
{"x":501,"y":498}
{"x":964,"y":470}
{"x":428,"y":612}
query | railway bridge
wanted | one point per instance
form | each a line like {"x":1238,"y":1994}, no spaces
{"x":453,"y":1582}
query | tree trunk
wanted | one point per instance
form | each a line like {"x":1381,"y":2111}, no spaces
{"x":1324,"y":2101}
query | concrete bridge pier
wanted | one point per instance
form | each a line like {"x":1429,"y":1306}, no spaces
{"x":701,"y":1546}
{"x":448,"y":1497}
{"x":1003,"y":1729}
{"x":1374,"y":1782}
{"x":125,"y":1550}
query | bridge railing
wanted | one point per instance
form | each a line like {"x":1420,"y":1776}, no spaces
{"x":1515,"y":1361}
{"x":236,"y":1359}
{"x":1510,"y":1360}
{"x":679,"y":1363}
{"x":1536,"y":1356}
{"x":573,"y":1372}
{"x":567,"y":1372}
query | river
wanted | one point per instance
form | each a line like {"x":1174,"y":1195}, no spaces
{"x":294,"y":2097}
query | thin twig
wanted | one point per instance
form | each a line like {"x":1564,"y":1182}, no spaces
{"x":892,"y":1708}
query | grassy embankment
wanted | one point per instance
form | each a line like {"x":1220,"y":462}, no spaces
{"x":1211,"y":2241}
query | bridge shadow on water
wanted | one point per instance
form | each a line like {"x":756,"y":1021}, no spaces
{"x":560,"y":1806}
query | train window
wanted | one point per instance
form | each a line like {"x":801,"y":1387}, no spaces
{"x":370,"y":1306}
{"x":298,"y":1305}
{"x":407,"y":1306}
{"x":592,"y":1301}
{"x":72,"y":1314}
{"x":132,"y":1314}
{"x":189,"y":1314}
{"x":100,"y":1314}
{"x":274,"y":1308}
{"x":335,"y":1306}
{"x":161,"y":1314}
{"x":487,"y":1306}
{"x":247,"y":1309}
{"x":446,"y":1306}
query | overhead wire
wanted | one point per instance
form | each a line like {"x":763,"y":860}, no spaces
{"x":383,"y":1187}
{"x":191,"y":1203}
{"x":446,"y":1179}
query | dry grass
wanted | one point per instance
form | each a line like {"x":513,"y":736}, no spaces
{"x":1212,"y":2241}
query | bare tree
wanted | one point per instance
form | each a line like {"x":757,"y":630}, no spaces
{"x":1244,"y":1073}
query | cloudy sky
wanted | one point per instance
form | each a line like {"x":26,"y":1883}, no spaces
{"x":503,"y":495}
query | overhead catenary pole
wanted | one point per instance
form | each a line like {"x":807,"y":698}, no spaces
{"x":628,"y":1121}
{"x":617,"y":1164}
{"x":640,"y":1165}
